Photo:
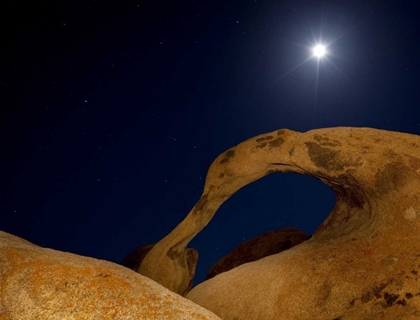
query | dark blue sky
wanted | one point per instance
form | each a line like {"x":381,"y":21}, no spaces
{"x":110,"y":114}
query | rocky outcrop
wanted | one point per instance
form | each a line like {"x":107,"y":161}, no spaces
{"x":363,"y":261}
{"x":44,"y":284}
{"x":259,"y":247}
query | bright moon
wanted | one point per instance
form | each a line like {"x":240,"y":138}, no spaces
{"x":319,"y":51}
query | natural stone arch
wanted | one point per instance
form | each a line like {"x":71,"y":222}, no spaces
{"x":375,"y":176}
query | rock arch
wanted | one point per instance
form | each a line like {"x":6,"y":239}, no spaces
{"x":364,"y":256}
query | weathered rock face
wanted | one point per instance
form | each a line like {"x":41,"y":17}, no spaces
{"x":363,"y":262}
{"x":259,"y":247}
{"x":44,"y":284}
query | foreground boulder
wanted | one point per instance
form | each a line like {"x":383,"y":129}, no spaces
{"x":259,"y":247}
{"x":44,"y":284}
{"x":363,"y":262}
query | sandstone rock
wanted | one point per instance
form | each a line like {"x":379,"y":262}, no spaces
{"x":259,"y":247}
{"x":363,"y":262}
{"x":44,"y":284}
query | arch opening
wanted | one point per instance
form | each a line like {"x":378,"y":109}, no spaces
{"x":276,"y":201}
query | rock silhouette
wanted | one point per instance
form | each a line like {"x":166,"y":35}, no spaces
{"x":135,"y":257}
{"x":362,"y":262}
{"x":259,"y":247}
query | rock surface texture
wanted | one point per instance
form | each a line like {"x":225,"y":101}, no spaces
{"x":259,"y":247}
{"x":44,"y":284}
{"x":363,"y":262}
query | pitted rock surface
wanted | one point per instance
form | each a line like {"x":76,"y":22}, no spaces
{"x":259,"y":247}
{"x":44,"y":284}
{"x":362,"y":262}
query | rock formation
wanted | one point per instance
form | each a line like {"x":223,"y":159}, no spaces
{"x":363,"y":262}
{"x":134,"y":259}
{"x":44,"y":284}
{"x":259,"y":247}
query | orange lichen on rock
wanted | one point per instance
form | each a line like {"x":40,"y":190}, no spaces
{"x":38,"y":283}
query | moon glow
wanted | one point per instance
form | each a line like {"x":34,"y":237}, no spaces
{"x":319,"y":51}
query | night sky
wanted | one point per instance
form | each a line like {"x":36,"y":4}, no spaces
{"x":111,"y":113}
